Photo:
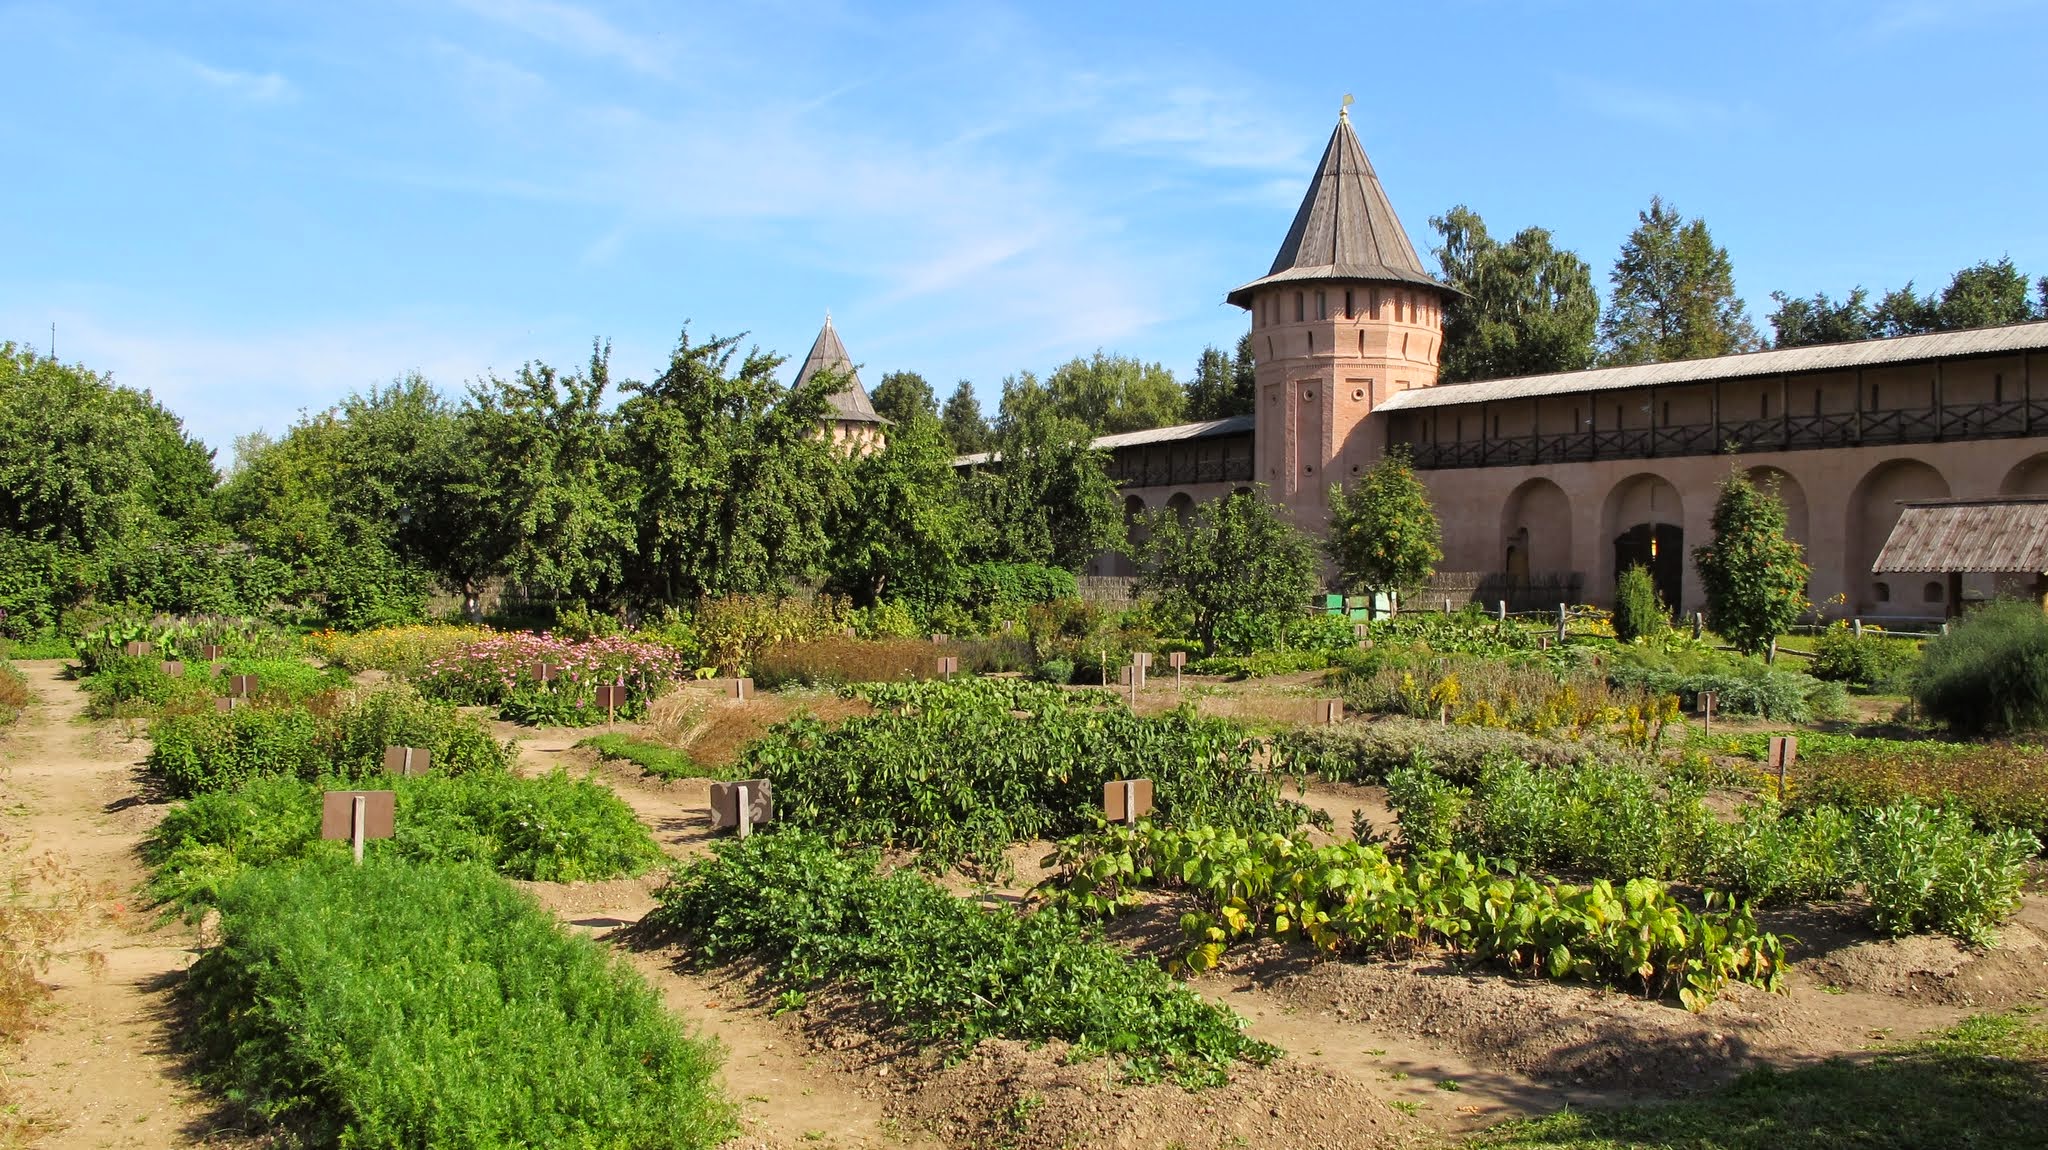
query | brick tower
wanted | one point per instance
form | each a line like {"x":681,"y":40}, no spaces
{"x":1346,"y":317}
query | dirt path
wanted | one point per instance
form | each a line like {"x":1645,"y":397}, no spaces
{"x":99,"y":1068}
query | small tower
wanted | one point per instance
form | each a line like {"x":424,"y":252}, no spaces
{"x":855,"y":425}
{"x":1346,"y":317}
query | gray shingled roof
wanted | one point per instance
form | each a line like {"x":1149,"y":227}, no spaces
{"x":1345,"y":229}
{"x":1788,"y":361}
{"x":1207,"y":429}
{"x":2008,"y":535}
{"x":850,"y":404}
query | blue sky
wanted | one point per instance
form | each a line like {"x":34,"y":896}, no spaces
{"x":255,"y":208}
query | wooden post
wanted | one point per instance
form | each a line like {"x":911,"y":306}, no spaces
{"x":1563,"y":614}
{"x":1500,"y":611}
{"x":1177,"y":660}
{"x":746,"y":814}
{"x":1699,"y":624}
{"x":1856,"y":627}
{"x":358,"y":815}
{"x":1783,"y":749}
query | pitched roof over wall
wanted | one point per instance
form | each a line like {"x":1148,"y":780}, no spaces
{"x":1786,"y":361}
{"x":2007,"y":535}
{"x":1207,"y":429}
{"x":1345,"y":228}
{"x":850,"y":404}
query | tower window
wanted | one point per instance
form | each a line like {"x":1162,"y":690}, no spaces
{"x":1322,"y":306}
{"x":1373,"y":298}
{"x":1361,"y":343}
{"x":1998,"y":389}
{"x":1299,"y":313}
{"x":1348,"y":311}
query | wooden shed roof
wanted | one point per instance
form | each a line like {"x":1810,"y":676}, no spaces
{"x":2006,"y":535}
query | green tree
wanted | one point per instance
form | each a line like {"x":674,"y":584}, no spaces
{"x":1115,"y":393}
{"x":1754,"y":577}
{"x":552,"y":478}
{"x":1047,"y":497}
{"x":1804,"y":322}
{"x":1674,"y":294}
{"x":966,"y":429}
{"x":900,"y":528}
{"x":1384,"y":534}
{"x":903,"y":396}
{"x":1985,"y":295}
{"x":1639,"y":612}
{"x":733,"y":480}
{"x":1522,"y":308}
{"x":1222,"y":386}
{"x":1236,"y":568}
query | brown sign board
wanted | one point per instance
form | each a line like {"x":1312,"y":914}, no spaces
{"x":735,"y":688}
{"x":227,"y":703}
{"x":1176,"y":659}
{"x":337,"y":814}
{"x":210,"y":652}
{"x":135,"y":649}
{"x":1141,"y":659}
{"x":1329,"y":710}
{"x":173,"y":668}
{"x":938,"y":636}
{"x":949,"y":665}
{"x":1707,"y":702}
{"x":611,"y":696}
{"x":542,"y":672}
{"x":1784,"y":749}
{"x":242,"y":686}
{"x":408,"y":760}
{"x":1126,"y":800}
{"x":725,"y":803}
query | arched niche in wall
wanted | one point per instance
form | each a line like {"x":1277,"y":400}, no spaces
{"x":1873,"y":511}
{"x":2028,"y":477}
{"x":1798,"y":519}
{"x":1643,"y":522}
{"x":1536,"y":523}
{"x":1183,"y":507}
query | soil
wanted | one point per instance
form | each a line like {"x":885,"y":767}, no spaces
{"x":1377,"y":1054}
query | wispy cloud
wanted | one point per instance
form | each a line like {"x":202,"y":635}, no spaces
{"x":1198,"y":125}
{"x":1669,"y":111}
{"x":1903,"y":17}
{"x":259,"y":87}
{"x":575,"y":28}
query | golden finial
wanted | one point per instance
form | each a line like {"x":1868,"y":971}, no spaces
{"x":1344,"y":110}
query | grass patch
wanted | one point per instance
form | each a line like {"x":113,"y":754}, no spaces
{"x":941,"y":968}
{"x":14,"y":693}
{"x":1979,"y":1084}
{"x":397,"y":1004}
{"x":657,"y":760}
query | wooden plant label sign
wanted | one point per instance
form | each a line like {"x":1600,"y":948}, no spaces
{"x":739,"y":687}
{"x":1127,"y":676}
{"x":1176,"y":659}
{"x":725,"y":803}
{"x":226,"y":703}
{"x":1784,"y":749}
{"x":1361,"y":630}
{"x":1142,"y":660}
{"x":242,"y":686}
{"x":1707,"y":701}
{"x":542,"y":672}
{"x":337,"y":814}
{"x":173,"y":668}
{"x":135,"y":649}
{"x":408,"y":761}
{"x":210,"y":653}
{"x":611,"y":697}
{"x":1126,"y":800}
{"x":949,"y":665}
{"x":1329,"y":710}
{"x":938,"y":636}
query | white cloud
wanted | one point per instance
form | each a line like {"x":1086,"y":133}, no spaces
{"x":576,"y":28}
{"x":260,"y":87}
{"x":1200,"y":126}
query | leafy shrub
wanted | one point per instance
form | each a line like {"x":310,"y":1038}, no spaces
{"x":1769,"y":857}
{"x":351,"y":1005}
{"x":1055,"y":671}
{"x":1870,"y":661}
{"x":733,"y":631}
{"x":963,"y":769}
{"x":1260,"y":664}
{"x":1352,"y":898}
{"x":1999,"y":786}
{"x":1639,"y":612}
{"x":1742,"y":686}
{"x":549,"y":829}
{"x":1525,"y":693}
{"x":1014,"y":586}
{"x":1990,"y":672}
{"x":660,"y":761}
{"x":941,"y":968}
{"x":1365,"y":752}
{"x":209,"y":750}
{"x":1926,"y":869}
{"x":1429,"y":807}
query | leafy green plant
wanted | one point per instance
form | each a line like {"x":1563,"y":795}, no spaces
{"x":1352,"y":898}
{"x":350,"y":1006}
{"x":1990,"y":672}
{"x":1871,"y":661}
{"x":550,"y":828}
{"x":1365,"y":752}
{"x":663,"y":762}
{"x":941,"y":968}
{"x":1754,"y":575}
{"x":1926,"y":869}
{"x":961,"y":770}
{"x":1428,"y":806}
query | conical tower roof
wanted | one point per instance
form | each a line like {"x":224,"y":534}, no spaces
{"x":1345,"y":229}
{"x":850,"y":404}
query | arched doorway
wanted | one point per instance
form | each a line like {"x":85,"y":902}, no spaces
{"x":1183,"y":507}
{"x":2028,"y":477}
{"x":1873,"y":512}
{"x":1645,"y":520}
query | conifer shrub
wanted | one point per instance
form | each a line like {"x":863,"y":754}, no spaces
{"x":398,"y":1004}
{"x":1639,"y":613}
{"x":1989,"y":674}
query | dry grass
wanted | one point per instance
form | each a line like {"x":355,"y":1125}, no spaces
{"x":14,"y":693}
{"x":42,"y":903}
{"x":714,"y":730}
